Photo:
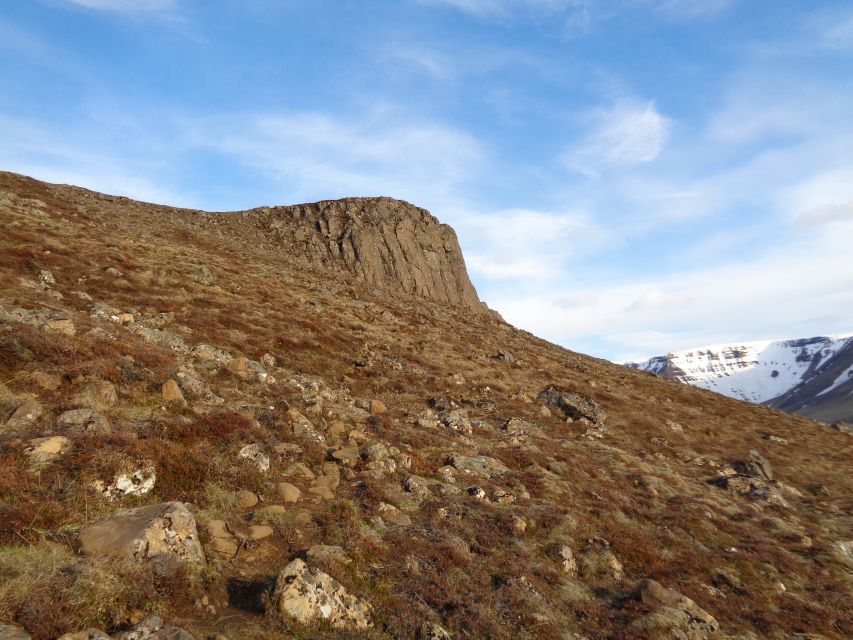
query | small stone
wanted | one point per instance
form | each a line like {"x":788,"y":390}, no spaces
{"x":245,"y":499}
{"x":377,"y":407}
{"x":327,"y":553}
{"x":171,"y":392}
{"x":288,"y":493}
{"x":260,"y":531}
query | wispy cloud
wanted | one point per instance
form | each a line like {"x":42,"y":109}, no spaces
{"x":628,"y":134}
{"x":524,"y":244}
{"x":317,"y":155}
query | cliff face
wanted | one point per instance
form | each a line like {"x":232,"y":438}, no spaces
{"x":383,"y":241}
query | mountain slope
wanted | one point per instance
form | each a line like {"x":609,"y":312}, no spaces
{"x":811,"y":376}
{"x":199,"y":422}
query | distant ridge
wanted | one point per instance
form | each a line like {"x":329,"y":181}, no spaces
{"x":809,"y":376}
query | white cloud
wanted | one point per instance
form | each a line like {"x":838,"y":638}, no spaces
{"x":802,"y":288}
{"x":525,"y":244}
{"x":322,"y":156}
{"x":626,"y":135}
{"x":657,"y":301}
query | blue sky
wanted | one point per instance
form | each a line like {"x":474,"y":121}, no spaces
{"x":626,"y":177}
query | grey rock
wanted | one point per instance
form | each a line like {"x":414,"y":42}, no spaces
{"x":83,"y":422}
{"x":573,"y":405}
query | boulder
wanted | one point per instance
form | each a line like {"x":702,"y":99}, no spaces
{"x":306,"y":594}
{"x":572,"y":404}
{"x":83,"y":422}
{"x":288,"y":492}
{"x":674,"y":616}
{"x":25,"y":415}
{"x":160,"y":531}
{"x":759,"y":466}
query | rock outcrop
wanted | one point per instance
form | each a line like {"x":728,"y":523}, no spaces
{"x":383,"y":241}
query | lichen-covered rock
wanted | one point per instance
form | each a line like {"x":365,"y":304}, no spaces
{"x":573,"y":405}
{"x":131,"y":482}
{"x":254,"y":453}
{"x":305,"y":594}
{"x":674,"y":616}
{"x":166,"y":530}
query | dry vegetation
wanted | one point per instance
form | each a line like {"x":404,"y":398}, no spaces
{"x":641,"y":492}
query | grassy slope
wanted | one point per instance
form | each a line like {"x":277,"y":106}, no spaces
{"x":641,"y":487}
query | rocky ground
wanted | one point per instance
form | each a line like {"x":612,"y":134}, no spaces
{"x":203,"y":434}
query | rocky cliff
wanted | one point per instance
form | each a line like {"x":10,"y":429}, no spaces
{"x":383,"y":241}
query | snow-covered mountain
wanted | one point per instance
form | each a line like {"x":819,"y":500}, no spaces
{"x":811,"y":376}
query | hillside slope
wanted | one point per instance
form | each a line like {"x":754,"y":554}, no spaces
{"x":198,"y":421}
{"x":809,"y":376}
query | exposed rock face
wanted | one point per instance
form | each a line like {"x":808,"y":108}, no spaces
{"x":157,"y":531}
{"x":385,"y":242}
{"x":305,"y":594}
